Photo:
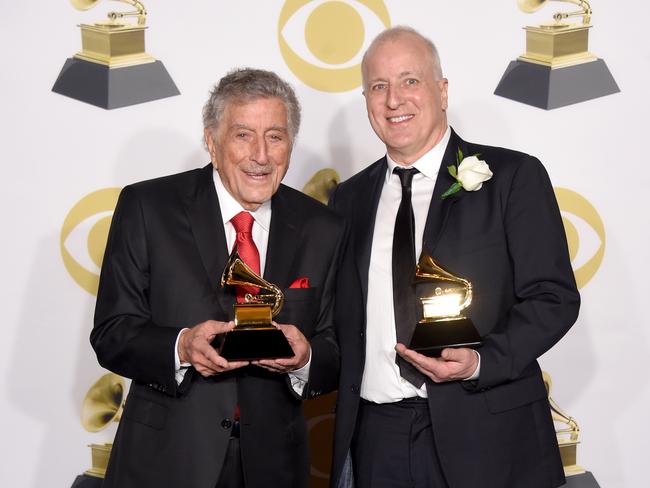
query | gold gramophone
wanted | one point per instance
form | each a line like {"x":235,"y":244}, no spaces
{"x":567,"y":437}
{"x":558,"y":43}
{"x":322,"y":184}
{"x":443,"y":297}
{"x":112,"y":69}
{"x":114,"y":42}
{"x":254,"y":335}
{"x":102,"y":405}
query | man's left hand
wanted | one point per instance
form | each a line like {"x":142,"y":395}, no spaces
{"x":453,"y":363}
{"x":301,"y":351}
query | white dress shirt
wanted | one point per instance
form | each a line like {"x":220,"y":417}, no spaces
{"x":381,"y":381}
{"x":262,"y":223}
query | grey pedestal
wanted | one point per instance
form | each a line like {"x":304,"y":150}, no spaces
{"x":584,"y":480}
{"x":113,"y":88}
{"x":86,"y":481}
{"x":543,"y":87}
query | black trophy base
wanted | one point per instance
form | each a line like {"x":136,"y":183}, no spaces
{"x":110,"y":88}
{"x":583,"y":480}
{"x":252,"y":344}
{"x":87,"y":481}
{"x":430,"y":338}
{"x":543,"y":87}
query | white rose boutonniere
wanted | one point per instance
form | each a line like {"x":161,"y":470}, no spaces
{"x":469,"y":175}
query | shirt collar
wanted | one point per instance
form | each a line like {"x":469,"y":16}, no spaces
{"x":231,"y":207}
{"x":429,"y":164}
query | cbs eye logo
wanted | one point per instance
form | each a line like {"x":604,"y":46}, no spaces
{"x":322,"y":41}
{"x":84,"y":234}
{"x":585,"y":234}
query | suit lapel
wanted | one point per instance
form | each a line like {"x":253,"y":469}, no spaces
{"x":283,"y":239}
{"x":439,"y":209}
{"x":367,"y":212}
{"x":204,"y":214}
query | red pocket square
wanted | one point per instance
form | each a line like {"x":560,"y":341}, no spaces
{"x":302,"y":282}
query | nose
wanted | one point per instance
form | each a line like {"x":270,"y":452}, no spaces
{"x":260,"y":152}
{"x":393,"y":97}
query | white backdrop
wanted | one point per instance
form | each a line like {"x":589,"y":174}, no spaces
{"x":55,"y":151}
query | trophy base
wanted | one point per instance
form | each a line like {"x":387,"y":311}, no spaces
{"x":255,"y":343}
{"x":584,"y":480}
{"x":86,"y":481}
{"x":548,"y":88}
{"x":430,"y":338}
{"x":110,"y":88}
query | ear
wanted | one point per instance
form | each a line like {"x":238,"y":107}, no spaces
{"x":443,"y":84}
{"x":208,"y":137}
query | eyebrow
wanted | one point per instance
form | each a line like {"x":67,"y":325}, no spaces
{"x":403,"y":74}
{"x":273,"y":127}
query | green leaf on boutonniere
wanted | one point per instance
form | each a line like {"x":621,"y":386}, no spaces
{"x":452,"y":170}
{"x":459,"y":157}
{"x":452,"y":189}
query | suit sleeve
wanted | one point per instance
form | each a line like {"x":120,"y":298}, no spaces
{"x":547,"y":300}
{"x":124,"y":337}
{"x":325,"y":359}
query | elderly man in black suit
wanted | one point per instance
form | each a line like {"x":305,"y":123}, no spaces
{"x":192,"y":419}
{"x":469,"y":418}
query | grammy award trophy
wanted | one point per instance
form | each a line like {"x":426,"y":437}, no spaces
{"x":112,"y":69}
{"x":557,"y":68}
{"x":443,"y":296}
{"x":254,"y":335}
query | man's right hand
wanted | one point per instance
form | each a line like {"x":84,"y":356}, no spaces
{"x":194,"y":348}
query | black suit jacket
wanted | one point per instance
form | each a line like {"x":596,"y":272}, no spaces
{"x":508,"y":240}
{"x":165,"y":254}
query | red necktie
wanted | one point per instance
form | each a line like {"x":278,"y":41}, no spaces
{"x":243,"y":224}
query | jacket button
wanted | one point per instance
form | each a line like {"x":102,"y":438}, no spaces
{"x":355,"y":389}
{"x":226,"y":424}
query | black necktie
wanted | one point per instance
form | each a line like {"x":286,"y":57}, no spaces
{"x":404,"y":273}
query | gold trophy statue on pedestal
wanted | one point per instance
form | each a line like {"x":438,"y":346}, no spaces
{"x":102,"y":405}
{"x":112,"y":69}
{"x":557,"y":68}
{"x":568,"y":432}
{"x":254,"y":336}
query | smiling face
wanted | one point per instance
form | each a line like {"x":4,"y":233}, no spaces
{"x":251,"y":148}
{"x":406,"y":104}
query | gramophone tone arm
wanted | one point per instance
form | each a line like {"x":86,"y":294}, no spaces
{"x":585,"y":12}
{"x":140,"y":13}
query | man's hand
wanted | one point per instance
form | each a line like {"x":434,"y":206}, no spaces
{"x":453,"y":364}
{"x":194,"y":348}
{"x":301,"y":351}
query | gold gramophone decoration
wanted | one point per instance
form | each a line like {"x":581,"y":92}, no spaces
{"x":113,"y":69}
{"x":557,"y":68}
{"x":567,"y":436}
{"x":321,"y":185}
{"x":443,"y":296}
{"x":254,"y":336}
{"x":558,"y":43}
{"x":102,"y":405}
{"x":114,"y":42}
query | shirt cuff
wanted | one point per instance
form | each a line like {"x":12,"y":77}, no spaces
{"x":179,"y":368}
{"x":299,"y":377}
{"x":477,"y":371}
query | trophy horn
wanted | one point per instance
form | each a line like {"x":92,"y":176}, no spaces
{"x":103,"y":403}
{"x":322,"y":184}
{"x":530,"y":6}
{"x":237,"y":272}
{"x":558,"y":415}
{"x":428,"y":269}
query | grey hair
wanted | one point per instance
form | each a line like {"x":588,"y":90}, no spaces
{"x":247,"y":84}
{"x":400,"y":31}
